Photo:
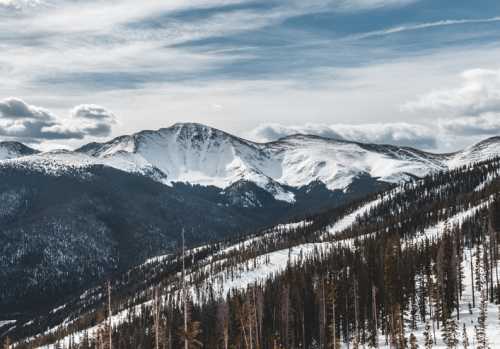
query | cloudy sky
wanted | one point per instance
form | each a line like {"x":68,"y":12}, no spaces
{"x":423,"y":73}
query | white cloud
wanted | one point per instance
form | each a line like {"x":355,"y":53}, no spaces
{"x":479,"y":93}
{"x":406,"y":134}
{"x":77,"y":41}
{"x":16,"y":109}
{"x":20,"y":4}
{"x":357,"y":5}
{"x":487,"y":124}
{"x":24,"y":122}
{"x":92,"y":112}
{"x":427,"y":25}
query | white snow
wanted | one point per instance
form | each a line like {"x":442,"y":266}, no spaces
{"x":489,"y":179}
{"x":456,"y":220}
{"x":482,"y":151}
{"x":6,"y":322}
{"x":55,"y":310}
{"x":470,"y":320}
{"x":260,"y":269}
{"x":349,"y":220}
{"x":198,"y":154}
{"x":280,"y":228}
{"x":263,"y":267}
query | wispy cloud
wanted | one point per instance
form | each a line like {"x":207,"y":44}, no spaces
{"x":421,"y":26}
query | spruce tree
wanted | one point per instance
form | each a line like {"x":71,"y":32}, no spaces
{"x":413,"y":342}
{"x":428,"y":342}
{"x":450,"y":333}
{"x":465,"y":338}
{"x":481,"y":337}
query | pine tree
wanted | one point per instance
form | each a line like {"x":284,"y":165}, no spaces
{"x":481,"y":338}
{"x":450,"y":333}
{"x":223,"y":324}
{"x":465,"y":338}
{"x":428,"y":342}
{"x":156,"y":318}
{"x":413,"y":342}
{"x":333,"y":324}
{"x":110,"y":316}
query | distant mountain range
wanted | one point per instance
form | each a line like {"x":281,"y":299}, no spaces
{"x":201,"y":155}
{"x":69,"y":218}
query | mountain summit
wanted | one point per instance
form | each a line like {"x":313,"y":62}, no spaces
{"x":201,"y":155}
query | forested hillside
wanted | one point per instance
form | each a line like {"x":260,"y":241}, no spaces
{"x":415,"y":266}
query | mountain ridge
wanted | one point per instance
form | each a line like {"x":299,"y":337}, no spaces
{"x":198,"y":154}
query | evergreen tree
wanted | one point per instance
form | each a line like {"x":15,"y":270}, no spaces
{"x":450,"y":333}
{"x":481,"y":337}
{"x":465,"y":338}
{"x":428,"y":342}
{"x":413,"y":342}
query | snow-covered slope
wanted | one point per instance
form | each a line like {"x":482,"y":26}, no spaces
{"x":12,"y":150}
{"x":199,"y":154}
{"x":485,"y":150}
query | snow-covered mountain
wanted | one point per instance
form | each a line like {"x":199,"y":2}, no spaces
{"x":487,"y":149}
{"x":198,"y":154}
{"x":12,"y":150}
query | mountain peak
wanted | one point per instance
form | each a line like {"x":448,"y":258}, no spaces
{"x":190,"y":125}
{"x":196,"y":131}
{"x":11,"y":150}
{"x":487,"y":142}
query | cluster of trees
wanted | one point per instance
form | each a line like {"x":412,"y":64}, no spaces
{"x":380,"y":290}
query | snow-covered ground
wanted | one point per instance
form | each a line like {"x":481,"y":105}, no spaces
{"x":260,"y":269}
{"x":466,"y":318}
{"x":255,"y":272}
{"x":458,"y":219}
{"x":6,"y":322}
{"x":280,"y":228}
{"x":350,"y":219}
{"x":490,"y":178}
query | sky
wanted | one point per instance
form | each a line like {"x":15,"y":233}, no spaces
{"x":420,"y":73}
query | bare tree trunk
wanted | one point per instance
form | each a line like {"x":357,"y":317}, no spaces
{"x":334,"y":327}
{"x":303,"y":329}
{"x":472,"y":279}
{"x":374,"y":305}
{"x":110,"y":331}
{"x":156,"y":317}
{"x":255,"y":319}
{"x":243,"y":327}
{"x":356,"y":310}
{"x":323,"y":315}
{"x":250,"y":321}
{"x":348,"y":339}
{"x":184,"y":295}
